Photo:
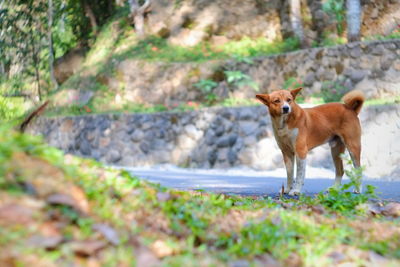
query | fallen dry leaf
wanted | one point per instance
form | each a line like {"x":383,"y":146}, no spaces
{"x":267,"y":260}
{"x":87,"y":248}
{"x":12,"y":259}
{"x":80,"y":198}
{"x":15,"y":214}
{"x":337,"y":257}
{"x":108,"y":232}
{"x":372,"y":208}
{"x":161,"y":249}
{"x":318,"y":209}
{"x":46,"y":180}
{"x":145,"y":257}
{"x":377,"y":260}
{"x":87,"y":262}
{"x":391,"y":209}
{"x":47,"y":242}
{"x":61,"y":199}
{"x":163,"y":196}
{"x":43,"y":177}
{"x":51,"y":228}
{"x":79,"y":204}
{"x":239,"y":263}
{"x":294,"y":260}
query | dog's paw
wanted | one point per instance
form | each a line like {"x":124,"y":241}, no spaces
{"x":287,"y":190}
{"x":294,"y":192}
{"x":357,"y":190}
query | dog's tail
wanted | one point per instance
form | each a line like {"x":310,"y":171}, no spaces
{"x":354,"y":100}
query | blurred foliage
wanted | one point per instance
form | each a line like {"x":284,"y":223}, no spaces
{"x":240,"y":79}
{"x":333,"y":91}
{"x":248,"y":47}
{"x":336,"y":9}
{"x":155,"y":48}
{"x":24,"y":28}
{"x":207,"y":88}
{"x":11,"y":108}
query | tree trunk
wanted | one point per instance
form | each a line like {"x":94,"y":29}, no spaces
{"x":353,"y":20}
{"x":36,"y":64}
{"x":51,"y":50}
{"x":138,"y":20}
{"x":90,"y":14}
{"x":295,"y":19}
{"x":2,"y":69}
{"x":120,"y":2}
{"x":137,"y":14}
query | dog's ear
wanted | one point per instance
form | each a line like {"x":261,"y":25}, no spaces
{"x":295,"y":92}
{"x":264,"y":99}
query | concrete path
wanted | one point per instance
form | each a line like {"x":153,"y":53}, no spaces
{"x":249,"y":182}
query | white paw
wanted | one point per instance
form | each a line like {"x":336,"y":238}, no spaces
{"x":287,"y":190}
{"x":294,"y":192}
{"x":357,"y":190}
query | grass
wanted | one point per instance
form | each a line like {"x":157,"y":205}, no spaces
{"x":172,"y":227}
{"x":189,"y":106}
{"x":383,"y":101}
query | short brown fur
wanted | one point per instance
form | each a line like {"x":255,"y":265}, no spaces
{"x":335,"y":123}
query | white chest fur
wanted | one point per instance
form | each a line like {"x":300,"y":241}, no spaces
{"x":284,"y":136}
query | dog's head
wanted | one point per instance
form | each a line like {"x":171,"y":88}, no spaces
{"x":279,"y":102}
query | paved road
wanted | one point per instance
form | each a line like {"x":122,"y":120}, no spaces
{"x":249,"y":182}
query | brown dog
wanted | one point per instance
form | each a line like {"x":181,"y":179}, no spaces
{"x":299,"y":130}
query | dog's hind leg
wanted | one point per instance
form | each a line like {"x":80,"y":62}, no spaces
{"x":353,"y":145}
{"x":337,"y":148}
{"x":289,"y":164}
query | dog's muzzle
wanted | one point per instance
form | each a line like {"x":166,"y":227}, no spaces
{"x":285,"y":109}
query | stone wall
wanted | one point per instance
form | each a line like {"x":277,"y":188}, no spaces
{"x":210,"y":138}
{"x":373,"y":67}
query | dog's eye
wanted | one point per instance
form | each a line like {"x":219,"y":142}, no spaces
{"x":288,"y":100}
{"x":277,"y":101}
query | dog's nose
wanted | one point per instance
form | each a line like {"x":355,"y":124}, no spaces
{"x":285,"y":109}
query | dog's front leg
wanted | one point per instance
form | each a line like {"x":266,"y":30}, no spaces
{"x":300,"y":174}
{"x":289,"y":164}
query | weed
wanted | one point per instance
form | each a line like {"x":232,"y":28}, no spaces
{"x":333,"y":91}
{"x":282,"y":234}
{"x":240,"y":79}
{"x":340,"y":199}
{"x":207,"y":87}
